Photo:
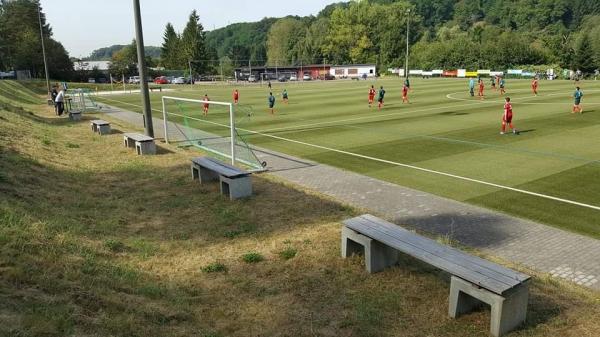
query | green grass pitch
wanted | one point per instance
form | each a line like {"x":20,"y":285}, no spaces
{"x":443,"y":129}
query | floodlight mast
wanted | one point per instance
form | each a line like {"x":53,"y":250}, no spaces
{"x":44,"y":51}
{"x":407,"y":30}
{"x":139,"y":36}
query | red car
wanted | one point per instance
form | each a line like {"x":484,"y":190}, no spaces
{"x":161,"y":80}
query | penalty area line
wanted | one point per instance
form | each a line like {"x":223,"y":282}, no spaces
{"x":422,"y":169}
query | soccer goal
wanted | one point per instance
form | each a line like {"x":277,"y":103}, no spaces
{"x":83,"y":100}
{"x":211,"y":126}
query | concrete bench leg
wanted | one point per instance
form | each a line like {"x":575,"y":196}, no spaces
{"x":377,"y":255}
{"x":507,"y":312}
{"x":94,"y":128}
{"x":103,"y":129}
{"x":203,"y":174}
{"x":75,"y":116}
{"x":145,"y":148}
{"x":128,"y":142}
{"x":236,"y":188}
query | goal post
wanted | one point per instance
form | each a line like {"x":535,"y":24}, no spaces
{"x":186,"y":124}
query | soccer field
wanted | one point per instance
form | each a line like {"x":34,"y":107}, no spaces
{"x":444,"y":142}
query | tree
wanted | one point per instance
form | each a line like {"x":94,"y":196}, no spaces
{"x":193,"y":44}
{"x":170,"y":51}
{"x":283,"y":40}
{"x":124,"y":61}
{"x":584,"y":55}
{"x":20,"y":45}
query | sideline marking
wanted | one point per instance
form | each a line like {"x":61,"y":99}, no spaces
{"x":518,"y":99}
{"x":540,"y":195}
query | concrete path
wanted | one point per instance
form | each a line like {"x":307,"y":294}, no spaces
{"x":562,"y":254}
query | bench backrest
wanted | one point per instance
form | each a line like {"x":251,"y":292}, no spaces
{"x":220,"y":167}
{"x":138,"y":137}
{"x":483,"y":273}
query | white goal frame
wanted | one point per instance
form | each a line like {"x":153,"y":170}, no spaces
{"x":231,"y":119}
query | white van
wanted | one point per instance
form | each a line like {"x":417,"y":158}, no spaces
{"x":134,"y":79}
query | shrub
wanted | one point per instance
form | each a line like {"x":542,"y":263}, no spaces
{"x":252,"y":257}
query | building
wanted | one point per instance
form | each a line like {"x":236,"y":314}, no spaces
{"x":90,"y":65}
{"x":309,"y":71}
{"x":313,"y":71}
{"x":353,"y":71}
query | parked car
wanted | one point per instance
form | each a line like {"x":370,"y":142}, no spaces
{"x":252,"y":78}
{"x":306,"y":77}
{"x":134,"y":80}
{"x":282,"y":79}
{"x":179,"y":80}
{"x":329,"y":77}
{"x":293,"y":78}
{"x":161,"y":80}
{"x":91,"y":80}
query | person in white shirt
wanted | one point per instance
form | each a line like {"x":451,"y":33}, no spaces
{"x":60,"y":102}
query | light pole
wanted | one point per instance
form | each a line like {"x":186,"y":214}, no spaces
{"x":44,"y":50}
{"x":407,"y":30}
{"x":139,"y":36}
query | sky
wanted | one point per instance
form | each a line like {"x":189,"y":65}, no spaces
{"x":85,"y":25}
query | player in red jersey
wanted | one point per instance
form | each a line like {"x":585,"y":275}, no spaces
{"x":205,"y":107}
{"x":534,"y":85}
{"x":507,"y":117}
{"x":372,"y":93}
{"x":405,"y":94}
{"x":481,"y":87}
{"x":236,"y":96}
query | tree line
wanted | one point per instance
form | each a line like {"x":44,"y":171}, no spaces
{"x":20,"y":41}
{"x":447,"y":34}
{"x":450,"y":34}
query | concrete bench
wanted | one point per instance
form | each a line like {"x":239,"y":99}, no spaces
{"x":142,"y":143}
{"x":473,"y":280}
{"x":235,"y":183}
{"x":155,"y":88}
{"x":100,"y":126}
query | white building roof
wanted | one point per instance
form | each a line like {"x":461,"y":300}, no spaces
{"x":90,"y":65}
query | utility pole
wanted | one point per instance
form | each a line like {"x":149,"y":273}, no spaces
{"x":191,"y":75}
{"x":407,"y":30}
{"x":44,"y":50}
{"x":221,"y":66}
{"x":139,"y":36}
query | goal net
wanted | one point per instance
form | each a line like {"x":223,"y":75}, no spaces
{"x":211,"y":126}
{"x":83,"y":100}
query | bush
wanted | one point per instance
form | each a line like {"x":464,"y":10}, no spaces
{"x":252,"y":257}
{"x":215,"y":267}
{"x":115,"y":246}
{"x":288,"y":253}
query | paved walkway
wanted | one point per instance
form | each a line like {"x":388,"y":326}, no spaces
{"x":562,"y":254}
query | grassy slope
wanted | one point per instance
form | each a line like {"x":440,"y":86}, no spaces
{"x":96,"y":241}
{"x":556,"y":153}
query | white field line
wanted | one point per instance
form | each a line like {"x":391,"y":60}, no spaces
{"x":360,"y":118}
{"x":495,"y":101}
{"x":540,"y":195}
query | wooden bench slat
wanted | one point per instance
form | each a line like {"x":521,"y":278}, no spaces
{"x":452,"y":253}
{"x":99,"y":122}
{"x":138,"y":137}
{"x":220,"y":167}
{"x":473,"y":269}
{"x":434,"y":260}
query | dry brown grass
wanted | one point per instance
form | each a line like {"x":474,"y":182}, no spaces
{"x":96,"y":241}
